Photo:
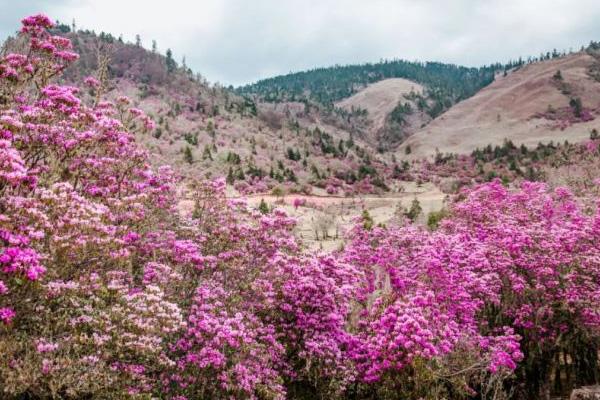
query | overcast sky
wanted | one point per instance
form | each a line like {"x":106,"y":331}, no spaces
{"x":240,"y":41}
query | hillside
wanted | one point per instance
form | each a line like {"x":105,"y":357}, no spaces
{"x":392,"y":110}
{"x":532,"y":104}
{"x":294,"y":143}
{"x":204,"y":130}
{"x":446,"y":83}
{"x":120,"y":280}
{"x":338,"y":93}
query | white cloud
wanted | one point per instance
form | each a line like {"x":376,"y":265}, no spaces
{"x":238,"y":41}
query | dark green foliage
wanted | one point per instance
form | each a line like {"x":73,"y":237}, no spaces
{"x":293,"y":155}
{"x":63,"y":28}
{"x":263,"y":207}
{"x":325,"y":142}
{"x":399,"y":113}
{"x":367,"y":220}
{"x":446,"y":83}
{"x":233,"y":158}
{"x":576,"y":105}
{"x":434,"y":218}
{"x":315,"y":171}
{"x":239,"y":174}
{"x":191,"y":139}
{"x":557,"y":76}
{"x":210,"y":128}
{"x":106,"y":37}
{"x":255,"y":172}
{"x":366,"y":170}
{"x":290,"y":175}
{"x":171,"y":64}
{"x":249,"y":107}
{"x":414,"y":211}
{"x":206,"y":154}
{"x":490,"y":176}
{"x":187,"y":155}
{"x":350,"y":142}
{"x":230,"y":177}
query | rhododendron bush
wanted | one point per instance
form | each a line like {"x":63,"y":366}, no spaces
{"x":508,"y":275}
{"x":106,"y":292}
{"x":109,"y":290}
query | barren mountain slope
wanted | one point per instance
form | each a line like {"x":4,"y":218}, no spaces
{"x":392,"y":112}
{"x":380,"y":98}
{"x":507,"y":109}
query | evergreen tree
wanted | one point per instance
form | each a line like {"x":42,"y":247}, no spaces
{"x":230,"y":178}
{"x":171,"y":64}
{"x":367,"y":220}
{"x":558,"y":76}
{"x":576,"y":105}
{"x":206,"y":155}
{"x":263,"y":207}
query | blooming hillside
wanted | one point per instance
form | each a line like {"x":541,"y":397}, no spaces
{"x":205,"y":130}
{"x":106,"y":291}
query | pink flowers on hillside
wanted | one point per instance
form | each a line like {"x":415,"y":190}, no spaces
{"x":107,"y":290}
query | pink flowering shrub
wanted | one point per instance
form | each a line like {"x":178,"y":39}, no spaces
{"x":564,"y":117}
{"x":330,"y":189}
{"x":299,"y":202}
{"x":78,"y":199}
{"x":264,"y":319}
{"x":509,"y":275}
{"x":109,"y":290}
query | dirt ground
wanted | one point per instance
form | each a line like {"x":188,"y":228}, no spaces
{"x":323,"y":221}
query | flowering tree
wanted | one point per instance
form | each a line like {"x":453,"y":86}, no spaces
{"x":264,"y":319}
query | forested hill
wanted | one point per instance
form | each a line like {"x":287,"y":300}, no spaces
{"x":446,"y":83}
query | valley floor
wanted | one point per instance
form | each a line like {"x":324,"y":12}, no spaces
{"x":324,"y":219}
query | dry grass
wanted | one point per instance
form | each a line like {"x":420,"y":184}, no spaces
{"x":380,"y":98}
{"x":504,"y":110}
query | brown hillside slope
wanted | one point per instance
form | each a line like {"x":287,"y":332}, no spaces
{"x":505,"y":110}
{"x":380,"y":98}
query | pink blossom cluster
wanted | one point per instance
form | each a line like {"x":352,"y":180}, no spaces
{"x":508,"y":273}
{"x":564,"y":117}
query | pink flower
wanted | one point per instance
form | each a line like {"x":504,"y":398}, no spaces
{"x":92,"y":82}
{"x":6,"y":315}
